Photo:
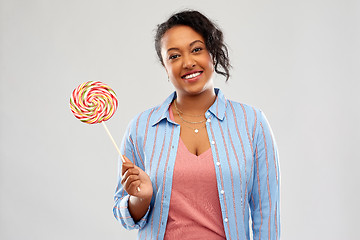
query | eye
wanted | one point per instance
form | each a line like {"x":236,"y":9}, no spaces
{"x":173,"y":56}
{"x":198,"y":49}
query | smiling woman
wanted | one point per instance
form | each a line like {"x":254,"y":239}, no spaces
{"x":187,"y":62}
{"x":202,"y":162}
{"x":211,"y":34}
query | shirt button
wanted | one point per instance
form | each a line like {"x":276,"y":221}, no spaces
{"x":208,"y":120}
{"x":212,"y":142}
{"x":207,"y":114}
{"x":226,"y":219}
{"x":222,"y":192}
{"x":218,"y":163}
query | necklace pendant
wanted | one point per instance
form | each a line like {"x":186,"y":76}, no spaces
{"x":196,"y":130}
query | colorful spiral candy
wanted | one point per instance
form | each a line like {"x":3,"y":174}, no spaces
{"x":93,"y":102}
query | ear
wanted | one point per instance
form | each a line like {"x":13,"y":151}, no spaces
{"x":162,"y":63}
{"x":167,"y":73}
{"x":213,"y":59}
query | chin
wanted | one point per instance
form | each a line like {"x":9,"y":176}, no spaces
{"x":198,"y":89}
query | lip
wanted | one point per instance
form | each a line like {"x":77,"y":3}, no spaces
{"x":194,"y":78}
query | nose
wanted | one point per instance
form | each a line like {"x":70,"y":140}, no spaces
{"x":188,"y":61}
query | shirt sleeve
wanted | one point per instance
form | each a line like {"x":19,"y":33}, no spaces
{"x":265,"y":194}
{"x":121,"y":198}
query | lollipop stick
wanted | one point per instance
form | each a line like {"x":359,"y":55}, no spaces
{"x":113,"y":141}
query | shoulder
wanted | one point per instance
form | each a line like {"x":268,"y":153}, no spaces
{"x":247,"y":111}
{"x":151,"y":116}
{"x":144,"y":121}
{"x":144,"y":117}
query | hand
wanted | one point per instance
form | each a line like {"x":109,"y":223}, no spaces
{"x":134,"y":178}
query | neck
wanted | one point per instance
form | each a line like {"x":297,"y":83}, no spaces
{"x":195,"y":104}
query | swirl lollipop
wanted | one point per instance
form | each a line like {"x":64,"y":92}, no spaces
{"x":94,"y":102}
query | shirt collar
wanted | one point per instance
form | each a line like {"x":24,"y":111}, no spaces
{"x":219,"y":106}
{"x":217,"y":109}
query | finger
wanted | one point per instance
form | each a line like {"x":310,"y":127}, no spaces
{"x":128,"y":182}
{"x":131,"y":184}
{"x":125,"y":158}
{"x":128,"y":173}
{"x":122,"y":158}
{"x":126,"y":165}
{"x":130,"y":169}
{"x":134,"y":186}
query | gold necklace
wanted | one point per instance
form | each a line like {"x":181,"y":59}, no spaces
{"x":189,"y":121}
{"x":196,"y":130}
{"x":177,"y":109}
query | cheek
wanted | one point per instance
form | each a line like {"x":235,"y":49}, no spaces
{"x":166,"y":66}
{"x":208,"y":59}
{"x":168,"y":69}
{"x":173,"y":68}
{"x":210,"y":63}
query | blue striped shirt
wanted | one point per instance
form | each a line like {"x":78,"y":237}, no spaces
{"x":246,"y":165}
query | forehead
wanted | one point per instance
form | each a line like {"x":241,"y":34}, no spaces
{"x":180,"y":36}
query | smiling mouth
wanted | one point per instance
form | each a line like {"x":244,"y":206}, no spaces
{"x":192,"y":75}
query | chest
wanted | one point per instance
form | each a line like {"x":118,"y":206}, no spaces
{"x":228,"y":141}
{"x":196,"y":143}
{"x":193,"y":133}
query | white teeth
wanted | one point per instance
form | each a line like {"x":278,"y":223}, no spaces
{"x":192,"y":75}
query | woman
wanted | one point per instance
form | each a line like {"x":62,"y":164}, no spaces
{"x":198,"y":162}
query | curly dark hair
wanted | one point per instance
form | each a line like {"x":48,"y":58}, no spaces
{"x":212,"y":35}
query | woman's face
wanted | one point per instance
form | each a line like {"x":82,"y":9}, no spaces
{"x":187,"y":61}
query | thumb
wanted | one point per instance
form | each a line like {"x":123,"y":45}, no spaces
{"x":124,"y":159}
{"x":126,"y":164}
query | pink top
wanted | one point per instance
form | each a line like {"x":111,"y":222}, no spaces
{"x":194,"y":211}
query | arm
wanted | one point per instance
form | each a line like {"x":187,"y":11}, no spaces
{"x":264,"y":199}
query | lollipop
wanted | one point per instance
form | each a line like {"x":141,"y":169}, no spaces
{"x":94,"y":102}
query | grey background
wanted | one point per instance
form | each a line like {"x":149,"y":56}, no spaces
{"x":296,"y":60}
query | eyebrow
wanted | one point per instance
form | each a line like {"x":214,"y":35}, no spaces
{"x":191,"y":44}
